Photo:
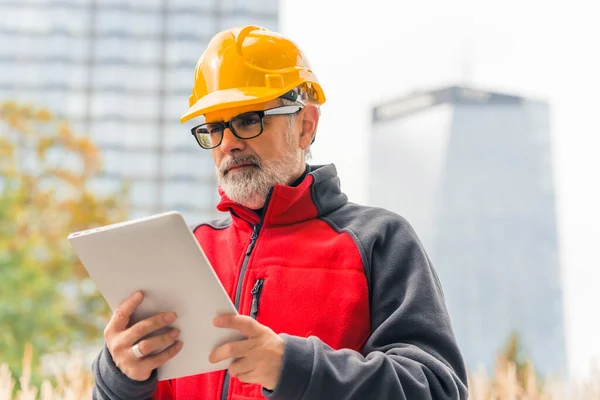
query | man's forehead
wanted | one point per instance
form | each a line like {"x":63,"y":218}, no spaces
{"x":228,"y":113}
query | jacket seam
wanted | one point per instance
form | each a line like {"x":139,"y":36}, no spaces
{"x":365,"y":259}
{"x":217,"y":228}
{"x":314,"y":196}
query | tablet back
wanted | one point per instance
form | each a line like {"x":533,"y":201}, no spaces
{"x":160,"y":256}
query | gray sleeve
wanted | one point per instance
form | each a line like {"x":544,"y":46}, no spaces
{"x":111,"y":383}
{"x":411,"y":353}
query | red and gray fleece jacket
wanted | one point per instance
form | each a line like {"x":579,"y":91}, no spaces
{"x":349,"y":288}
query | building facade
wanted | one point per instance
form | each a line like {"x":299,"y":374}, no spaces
{"x":472,"y":171}
{"x":121,"y":71}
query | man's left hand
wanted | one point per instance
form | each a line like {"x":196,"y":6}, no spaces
{"x":257,"y":359}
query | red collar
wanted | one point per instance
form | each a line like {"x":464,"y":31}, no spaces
{"x":318,"y":194}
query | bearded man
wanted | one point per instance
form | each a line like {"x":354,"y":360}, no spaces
{"x":336,"y":300}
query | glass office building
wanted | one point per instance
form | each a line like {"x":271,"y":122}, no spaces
{"x":472,"y":171}
{"x":121,"y":71}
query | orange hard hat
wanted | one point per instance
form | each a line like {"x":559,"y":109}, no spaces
{"x":248,"y":65}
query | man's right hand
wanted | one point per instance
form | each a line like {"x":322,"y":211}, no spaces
{"x":120,"y":339}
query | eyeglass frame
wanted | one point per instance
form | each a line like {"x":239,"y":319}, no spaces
{"x":261,"y":113}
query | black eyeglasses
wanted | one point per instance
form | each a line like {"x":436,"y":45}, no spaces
{"x":244,"y":126}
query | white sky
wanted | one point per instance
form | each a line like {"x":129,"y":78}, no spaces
{"x":537,"y":48}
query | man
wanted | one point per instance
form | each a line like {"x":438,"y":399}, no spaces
{"x":337,"y":300}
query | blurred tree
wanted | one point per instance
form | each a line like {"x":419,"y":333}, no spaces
{"x":46,"y":297}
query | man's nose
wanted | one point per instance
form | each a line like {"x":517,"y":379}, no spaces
{"x":231,"y":143}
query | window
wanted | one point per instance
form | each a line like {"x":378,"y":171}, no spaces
{"x":267,"y":6}
{"x":191,"y":195}
{"x":143,"y":134}
{"x":144,"y":51}
{"x":58,"y":47}
{"x":7,"y":46}
{"x":20,"y":95}
{"x":53,"y":100}
{"x":75,"y":105}
{"x":80,"y":128}
{"x":111,"y":48}
{"x":64,"y":160}
{"x":110,"y":76}
{"x":147,"y":4}
{"x":143,"y":193}
{"x":249,"y":19}
{"x":204,"y":6}
{"x":181,"y":80}
{"x":112,"y":20}
{"x":178,"y":136}
{"x":191,"y":25}
{"x":77,"y":77}
{"x":130,"y":165}
{"x":145,"y":23}
{"x":139,"y":164}
{"x":67,"y":48}
{"x":188,"y":165}
{"x":103,"y":185}
{"x":73,"y":20}
{"x":107,"y":134}
{"x":41,"y":48}
{"x":33,"y":47}
{"x":175,"y":106}
{"x":110,"y":162}
{"x":17,"y":74}
{"x":143,"y":78}
{"x":185,"y":54}
{"x":260,"y":7}
{"x":107,"y":105}
{"x":28,"y":19}
{"x":52,"y":74}
{"x":143,"y":106}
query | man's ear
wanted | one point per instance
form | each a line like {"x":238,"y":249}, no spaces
{"x":309,"y":123}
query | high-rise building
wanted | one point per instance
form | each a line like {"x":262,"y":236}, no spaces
{"x":121,"y":71}
{"x":472,"y":171}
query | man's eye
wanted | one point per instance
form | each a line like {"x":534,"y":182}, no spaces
{"x":250,"y":120}
{"x":213,"y":129}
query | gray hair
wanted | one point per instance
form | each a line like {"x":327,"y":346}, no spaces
{"x":306,"y":95}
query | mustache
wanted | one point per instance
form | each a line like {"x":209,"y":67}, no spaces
{"x":235,"y":161}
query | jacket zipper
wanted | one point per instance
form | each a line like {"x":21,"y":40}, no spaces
{"x":256,"y":292}
{"x":238,"y":293}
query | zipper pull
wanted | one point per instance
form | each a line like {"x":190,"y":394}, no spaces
{"x":253,"y":238}
{"x":255,"y":230}
{"x":256,"y":291}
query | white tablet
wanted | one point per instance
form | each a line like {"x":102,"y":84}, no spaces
{"x":160,"y":256}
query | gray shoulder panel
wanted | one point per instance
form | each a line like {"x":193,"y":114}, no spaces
{"x":326,"y":191}
{"x":220,"y":223}
{"x":412,"y":352}
{"x":368,"y":226}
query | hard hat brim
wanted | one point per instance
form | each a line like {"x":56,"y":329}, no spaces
{"x":228,"y":98}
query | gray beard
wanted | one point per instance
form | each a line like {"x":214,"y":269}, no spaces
{"x":250,"y":186}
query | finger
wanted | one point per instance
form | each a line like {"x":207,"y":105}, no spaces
{"x":146,"y":327}
{"x":120,"y":319}
{"x":237,"y":349}
{"x":157,"y":360}
{"x":249,"y":377}
{"x":150,"y":345}
{"x":240,"y":368}
{"x":248,"y":326}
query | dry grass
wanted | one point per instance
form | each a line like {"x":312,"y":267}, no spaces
{"x":73,"y":382}
{"x":508,"y":383}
